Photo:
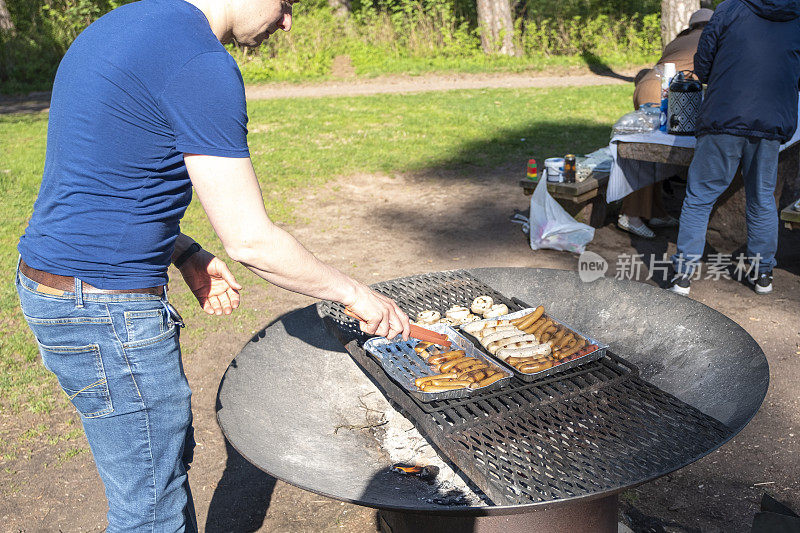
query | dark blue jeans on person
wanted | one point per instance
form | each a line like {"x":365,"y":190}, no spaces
{"x":716,"y":158}
{"x":118,"y":359}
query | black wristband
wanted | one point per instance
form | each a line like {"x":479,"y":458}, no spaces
{"x":189,"y":252}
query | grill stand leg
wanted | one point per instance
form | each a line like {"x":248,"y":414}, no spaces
{"x":596,"y":516}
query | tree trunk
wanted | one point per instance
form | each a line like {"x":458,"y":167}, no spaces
{"x":341,"y":8}
{"x":675,"y":18}
{"x":496,"y":27}
{"x":5,"y":17}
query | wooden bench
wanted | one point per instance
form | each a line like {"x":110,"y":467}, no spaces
{"x":584,"y":200}
{"x":790,"y":217}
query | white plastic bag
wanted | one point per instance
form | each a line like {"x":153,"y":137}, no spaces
{"x":552,"y":227}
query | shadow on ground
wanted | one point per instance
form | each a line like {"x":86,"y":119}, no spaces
{"x":242,"y":497}
{"x":601,"y":68}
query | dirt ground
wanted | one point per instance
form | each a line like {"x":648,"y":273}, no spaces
{"x":360,"y":224}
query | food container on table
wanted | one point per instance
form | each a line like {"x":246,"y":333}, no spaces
{"x":559,"y":367}
{"x":555,"y":169}
{"x":401,"y":363}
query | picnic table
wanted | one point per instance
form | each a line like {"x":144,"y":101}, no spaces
{"x":788,"y":168}
{"x":586,"y":200}
{"x":791,"y":217}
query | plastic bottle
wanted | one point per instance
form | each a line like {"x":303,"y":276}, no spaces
{"x":533,"y":171}
{"x":666,"y":79}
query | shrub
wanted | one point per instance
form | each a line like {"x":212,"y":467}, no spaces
{"x":381,"y":36}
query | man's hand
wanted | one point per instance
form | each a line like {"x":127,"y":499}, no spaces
{"x":212,"y":283}
{"x":379,"y":314}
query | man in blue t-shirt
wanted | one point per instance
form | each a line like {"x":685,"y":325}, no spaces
{"x":147,"y":104}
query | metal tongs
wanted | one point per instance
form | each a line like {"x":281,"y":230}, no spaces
{"x":417,"y":332}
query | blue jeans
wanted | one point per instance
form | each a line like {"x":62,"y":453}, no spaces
{"x":118,"y":359}
{"x":713,"y":167}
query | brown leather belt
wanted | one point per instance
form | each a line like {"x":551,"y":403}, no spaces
{"x":67,"y":283}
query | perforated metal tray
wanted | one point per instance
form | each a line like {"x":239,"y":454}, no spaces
{"x":559,"y":367}
{"x":399,"y":360}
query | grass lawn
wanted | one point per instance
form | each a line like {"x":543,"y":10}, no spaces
{"x":299,"y":143}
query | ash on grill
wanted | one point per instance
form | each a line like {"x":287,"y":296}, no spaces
{"x":403,"y":444}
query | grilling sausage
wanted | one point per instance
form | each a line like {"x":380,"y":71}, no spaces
{"x":488,"y":380}
{"x":425,"y":379}
{"x":533,"y":327}
{"x":498,"y":335}
{"x":450,"y":364}
{"x":446,"y":356}
{"x":493,"y":347}
{"x":525,"y":351}
{"x":530,"y":368}
{"x":531,"y":318}
{"x":443,"y":388}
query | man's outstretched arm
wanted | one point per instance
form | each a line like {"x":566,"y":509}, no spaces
{"x":231,"y":196}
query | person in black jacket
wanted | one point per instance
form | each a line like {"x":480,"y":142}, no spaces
{"x":749,"y":54}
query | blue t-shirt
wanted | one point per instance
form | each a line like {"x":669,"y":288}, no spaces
{"x":137,"y":89}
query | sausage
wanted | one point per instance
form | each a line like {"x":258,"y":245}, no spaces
{"x":422,"y":346}
{"x":478,"y":365}
{"x":446,"y":383}
{"x":535,"y":367}
{"x":443,"y":388}
{"x":463,"y":365}
{"x":526,"y":358}
{"x":524,"y":351}
{"x":496,"y":336}
{"x":444,"y":357}
{"x":565,"y":340}
{"x":488,"y":380}
{"x":445,"y":367}
{"x":543,"y":327}
{"x":425,"y":379}
{"x":545,"y":337}
{"x":493,"y":347}
{"x":520,"y":319}
{"x":505,"y":327}
{"x":570,"y":351}
{"x":473,"y":375}
{"x":559,"y":334}
{"x":571,"y":344}
{"x":533,"y":327}
{"x":466,"y":376}
{"x":529,"y":319}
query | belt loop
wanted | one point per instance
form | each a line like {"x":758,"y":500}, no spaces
{"x":78,"y":293}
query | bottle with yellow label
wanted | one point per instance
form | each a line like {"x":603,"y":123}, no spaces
{"x":569,"y":168}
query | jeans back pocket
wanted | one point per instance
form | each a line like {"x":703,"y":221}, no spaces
{"x":80,"y":373}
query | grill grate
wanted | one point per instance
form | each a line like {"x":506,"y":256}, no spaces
{"x":592,"y":429}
